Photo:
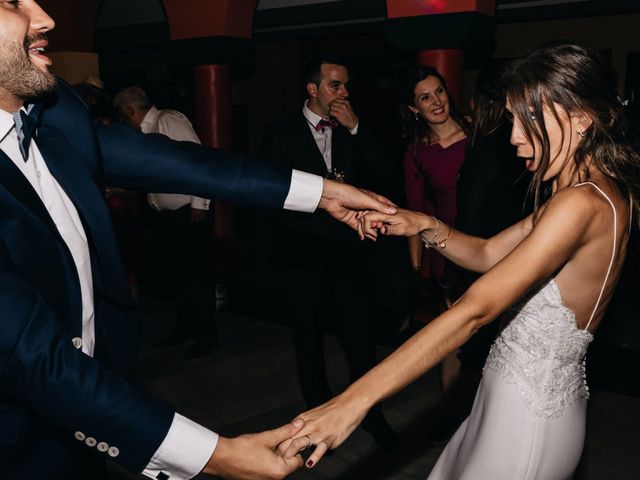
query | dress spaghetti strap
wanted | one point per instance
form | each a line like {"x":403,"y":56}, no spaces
{"x":613,"y":254}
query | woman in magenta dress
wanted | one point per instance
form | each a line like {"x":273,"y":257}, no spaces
{"x":437,"y":143}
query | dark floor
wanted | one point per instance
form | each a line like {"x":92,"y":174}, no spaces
{"x":249,"y":384}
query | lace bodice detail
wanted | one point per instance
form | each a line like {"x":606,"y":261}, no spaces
{"x":541,"y":351}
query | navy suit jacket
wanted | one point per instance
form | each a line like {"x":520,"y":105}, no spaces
{"x":50,"y":390}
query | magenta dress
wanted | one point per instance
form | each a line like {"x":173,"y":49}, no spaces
{"x":434,"y":170}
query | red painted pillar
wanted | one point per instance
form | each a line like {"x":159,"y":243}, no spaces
{"x":450,"y":63}
{"x":213,"y":120}
{"x":213,"y":105}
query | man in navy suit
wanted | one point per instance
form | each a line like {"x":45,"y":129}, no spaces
{"x":67,"y":331}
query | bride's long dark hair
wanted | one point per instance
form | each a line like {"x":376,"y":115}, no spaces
{"x":578,"y":79}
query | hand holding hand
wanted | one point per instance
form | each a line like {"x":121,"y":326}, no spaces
{"x":254,"y":456}
{"x":404,"y":223}
{"x":326,"y":427}
{"x":346,"y":203}
{"x":341,"y":110}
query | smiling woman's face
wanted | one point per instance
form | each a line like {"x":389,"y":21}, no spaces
{"x":562,"y":136}
{"x":431,"y":100}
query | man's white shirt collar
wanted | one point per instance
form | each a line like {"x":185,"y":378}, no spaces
{"x":149,"y":119}
{"x":311,"y":117}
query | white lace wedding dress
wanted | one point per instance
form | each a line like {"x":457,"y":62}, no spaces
{"x":528,"y":417}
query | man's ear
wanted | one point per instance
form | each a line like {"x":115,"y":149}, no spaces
{"x":312,"y":89}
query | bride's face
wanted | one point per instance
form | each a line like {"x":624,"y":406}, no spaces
{"x":561,"y":131}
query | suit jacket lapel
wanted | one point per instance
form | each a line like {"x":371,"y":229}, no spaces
{"x":81,"y":188}
{"x":19,"y":187}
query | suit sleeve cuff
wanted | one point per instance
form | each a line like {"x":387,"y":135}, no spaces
{"x":304,"y":193}
{"x":354,"y":130}
{"x":200,"y":203}
{"x":184,"y":452}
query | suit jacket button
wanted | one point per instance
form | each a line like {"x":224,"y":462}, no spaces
{"x":113,"y":452}
{"x":102,"y":447}
{"x":80,"y":436}
{"x":90,"y":442}
{"x":77,"y":342}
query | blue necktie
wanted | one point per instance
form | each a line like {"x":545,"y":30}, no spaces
{"x":26,"y":126}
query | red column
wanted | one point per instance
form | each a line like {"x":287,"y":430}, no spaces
{"x":450,"y":63}
{"x":213,"y":119}
{"x":213,"y":105}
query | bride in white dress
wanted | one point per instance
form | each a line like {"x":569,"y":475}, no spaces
{"x":552,"y":274}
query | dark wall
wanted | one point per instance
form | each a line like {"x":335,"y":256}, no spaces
{"x":75,"y":22}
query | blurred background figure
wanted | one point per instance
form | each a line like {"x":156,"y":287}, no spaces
{"x":182,"y":227}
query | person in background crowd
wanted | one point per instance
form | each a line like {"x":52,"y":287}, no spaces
{"x":322,"y":262}
{"x":182,"y":225}
{"x":437,"y":142}
{"x":436,"y":138}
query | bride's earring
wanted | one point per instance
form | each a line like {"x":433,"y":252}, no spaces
{"x":580,"y":134}
{"x":416,"y":116}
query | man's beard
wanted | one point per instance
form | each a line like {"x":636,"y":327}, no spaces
{"x":19,"y":75}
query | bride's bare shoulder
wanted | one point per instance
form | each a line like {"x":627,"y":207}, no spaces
{"x":585,"y":204}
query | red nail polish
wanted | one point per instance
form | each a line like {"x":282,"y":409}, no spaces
{"x":310,"y":463}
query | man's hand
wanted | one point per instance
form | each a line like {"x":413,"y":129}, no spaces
{"x":341,"y":110}
{"x":196,"y":215}
{"x":346,"y":203}
{"x":254,"y":457}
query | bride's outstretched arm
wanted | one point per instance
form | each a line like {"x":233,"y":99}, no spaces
{"x":472,"y":253}
{"x":557,"y":236}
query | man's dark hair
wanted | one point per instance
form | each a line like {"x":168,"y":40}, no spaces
{"x":313,"y":72}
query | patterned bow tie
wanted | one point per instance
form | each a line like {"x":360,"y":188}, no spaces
{"x":26,"y":126}
{"x":331,"y":123}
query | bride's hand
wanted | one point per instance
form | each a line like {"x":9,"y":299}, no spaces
{"x":404,"y":223}
{"x":326,"y":427}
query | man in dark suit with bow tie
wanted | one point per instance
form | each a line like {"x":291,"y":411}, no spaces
{"x":68,"y":330}
{"x":324,"y":269}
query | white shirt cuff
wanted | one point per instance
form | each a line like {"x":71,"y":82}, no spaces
{"x":184,"y":452}
{"x":304,"y":193}
{"x":354,"y":130}
{"x":200,"y":203}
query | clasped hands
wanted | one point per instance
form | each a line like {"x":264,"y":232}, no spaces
{"x":369,"y":213}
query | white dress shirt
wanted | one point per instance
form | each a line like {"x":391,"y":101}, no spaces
{"x":322,"y":136}
{"x":176,"y":126}
{"x":188,"y":446}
